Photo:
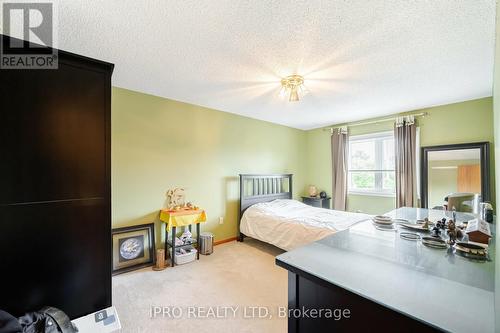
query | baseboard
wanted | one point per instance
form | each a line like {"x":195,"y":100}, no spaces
{"x":222,"y":241}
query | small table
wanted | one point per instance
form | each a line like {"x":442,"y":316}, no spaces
{"x":181,"y":218}
{"x":317,"y":202}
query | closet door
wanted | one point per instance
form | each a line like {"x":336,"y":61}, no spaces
{"x":469,"y":178}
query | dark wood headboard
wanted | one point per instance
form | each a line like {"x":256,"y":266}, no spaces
{"x":255,"y":188}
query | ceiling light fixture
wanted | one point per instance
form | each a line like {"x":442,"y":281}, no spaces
{"x":293,"y":86}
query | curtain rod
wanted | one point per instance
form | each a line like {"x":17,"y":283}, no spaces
{"x":331,"y":128}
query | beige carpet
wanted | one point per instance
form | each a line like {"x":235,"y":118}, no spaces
{"x":241,"y":275}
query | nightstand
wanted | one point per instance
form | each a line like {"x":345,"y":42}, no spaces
{"x":317,"y":202}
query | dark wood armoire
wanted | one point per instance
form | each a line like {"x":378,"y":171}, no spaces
{"x":55,"y":186}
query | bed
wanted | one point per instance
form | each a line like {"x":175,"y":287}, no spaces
{"x":268,"y":213}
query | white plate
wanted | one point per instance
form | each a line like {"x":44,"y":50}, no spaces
{"x":382,"y":223}
{"x":382,"y":218}
{"x":385,"y":222}
{"x":418,"y":227}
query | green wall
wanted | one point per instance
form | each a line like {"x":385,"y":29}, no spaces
{"x":158,"y":144}
{"x":470,"y":121}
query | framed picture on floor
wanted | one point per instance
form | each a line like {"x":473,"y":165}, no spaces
{"x":133,"y":247}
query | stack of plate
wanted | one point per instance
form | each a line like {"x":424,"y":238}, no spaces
{"x":382,"y":222}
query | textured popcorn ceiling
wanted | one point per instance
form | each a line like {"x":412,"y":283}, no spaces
{"x":360,"y":58}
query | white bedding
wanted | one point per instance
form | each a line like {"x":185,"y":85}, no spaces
{"x":288,"y":224}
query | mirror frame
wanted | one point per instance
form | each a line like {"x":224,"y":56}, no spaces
{"x":484,"y":148}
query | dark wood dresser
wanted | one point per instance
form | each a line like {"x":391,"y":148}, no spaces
{"x":376,"y":281}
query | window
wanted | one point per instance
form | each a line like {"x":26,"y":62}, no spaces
{"x":372,"y":164}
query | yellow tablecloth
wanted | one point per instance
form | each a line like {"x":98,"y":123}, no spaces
{"x":182,"y":218}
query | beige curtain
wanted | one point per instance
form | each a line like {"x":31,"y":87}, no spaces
{"x":405,"y":137}
{"x":340,"y":141}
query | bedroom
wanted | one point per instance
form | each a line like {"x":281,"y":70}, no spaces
{"x":202,"y":107}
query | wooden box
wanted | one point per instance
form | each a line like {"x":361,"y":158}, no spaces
{"x":478,"y":231}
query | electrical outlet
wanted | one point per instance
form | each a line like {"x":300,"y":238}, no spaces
{"x":221,"y":220}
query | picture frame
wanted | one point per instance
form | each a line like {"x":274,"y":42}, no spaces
{"x":133,"y":247}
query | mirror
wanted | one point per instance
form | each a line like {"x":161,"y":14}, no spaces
{"x":455,"y":176}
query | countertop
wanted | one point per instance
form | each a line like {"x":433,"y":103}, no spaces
{"x":434,"y":286}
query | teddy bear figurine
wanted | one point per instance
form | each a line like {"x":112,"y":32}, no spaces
{"x":452,"y":232}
